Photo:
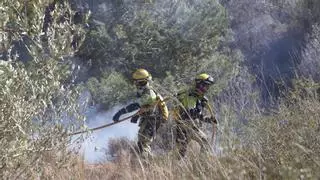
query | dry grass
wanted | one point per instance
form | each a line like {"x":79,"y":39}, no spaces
{"x":284,"y":145}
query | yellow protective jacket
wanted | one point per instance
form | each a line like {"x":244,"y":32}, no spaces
{"x":191,"y":105}
{"x":153,"y":102}
{"x":149,"y":102}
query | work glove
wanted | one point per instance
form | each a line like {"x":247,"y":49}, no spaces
{"x":210,"y":120}
{"x":118,"y":114}
{"x":194,"y":113}
{"x":134,"y":119}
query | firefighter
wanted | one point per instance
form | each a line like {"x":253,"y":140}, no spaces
{"x":153,"y":108}
{"x":189,"y":114}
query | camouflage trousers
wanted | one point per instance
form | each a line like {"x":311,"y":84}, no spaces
{"x":147,"y":132}
{"x":187,"y":131}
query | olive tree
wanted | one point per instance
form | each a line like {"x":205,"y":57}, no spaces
{"x":36,"y":102}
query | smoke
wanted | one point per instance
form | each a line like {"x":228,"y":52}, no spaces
{"x":270,"y":41}
{"x":310,"y":57}
{"x":94,"y":147}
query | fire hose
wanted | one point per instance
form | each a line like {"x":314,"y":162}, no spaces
{"x":113,"y":123}
{"x":214,"y":125}
{"x":106,"y":125}
{"x":138,"y":113}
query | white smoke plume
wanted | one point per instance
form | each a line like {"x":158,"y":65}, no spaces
{"x":95,"y":146}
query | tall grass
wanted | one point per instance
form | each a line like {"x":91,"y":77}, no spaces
{"x":281,"y":145}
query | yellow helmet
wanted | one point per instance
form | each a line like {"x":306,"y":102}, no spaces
{"x":204,"y":78}
{"x":141,"y":74}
